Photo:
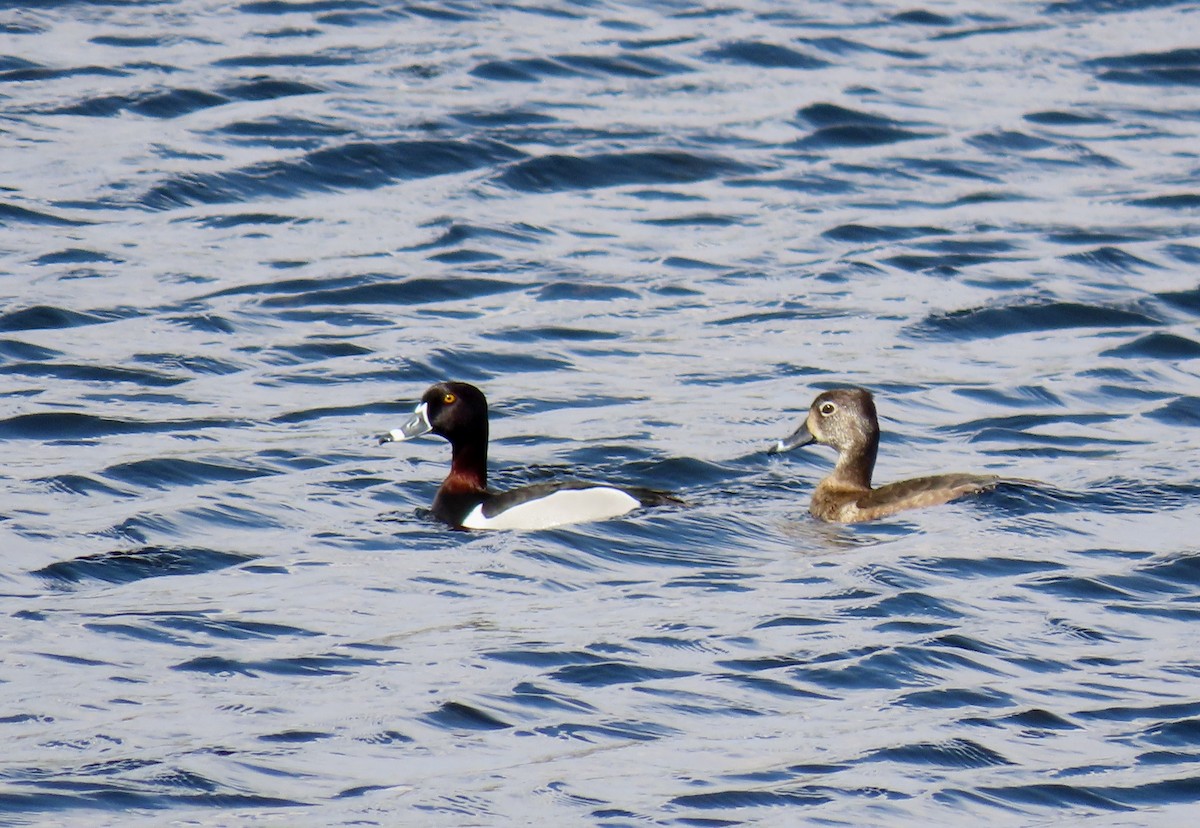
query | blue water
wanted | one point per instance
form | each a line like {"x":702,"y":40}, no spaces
{"x":240,"y":240}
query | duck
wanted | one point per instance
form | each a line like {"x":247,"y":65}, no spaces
{"x":458,"y":411}
{"x":845,"y":419}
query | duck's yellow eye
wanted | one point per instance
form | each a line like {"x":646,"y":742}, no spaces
{"x":827,"y":409}
{"x":448,"y":398}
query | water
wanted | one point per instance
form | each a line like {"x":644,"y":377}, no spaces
{"x":239,"y":240}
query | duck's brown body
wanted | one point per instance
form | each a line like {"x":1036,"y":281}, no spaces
{"x":845,"y":419}
{"x":838,"y":504}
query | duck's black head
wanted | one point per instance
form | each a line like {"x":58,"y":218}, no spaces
{"x":457,"y":411}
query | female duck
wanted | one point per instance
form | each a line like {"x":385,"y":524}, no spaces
{"x":845,"y":419}
{"x":458,"y":411}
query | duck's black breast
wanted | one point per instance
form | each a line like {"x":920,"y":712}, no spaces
{"x":453,"y":507}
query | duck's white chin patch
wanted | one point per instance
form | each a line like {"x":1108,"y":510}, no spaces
{"x":557,"y":509}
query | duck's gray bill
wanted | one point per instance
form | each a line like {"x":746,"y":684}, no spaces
{"x":414,"y":426}
{"x":800,"y":437}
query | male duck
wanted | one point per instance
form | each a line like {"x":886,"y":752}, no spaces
{"x":459,"y":412}
{"x":845,"y":419}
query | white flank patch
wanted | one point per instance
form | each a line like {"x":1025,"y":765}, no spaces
{"x":561,"y":507}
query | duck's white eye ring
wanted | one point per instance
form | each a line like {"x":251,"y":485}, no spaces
{"x":827,"y":408}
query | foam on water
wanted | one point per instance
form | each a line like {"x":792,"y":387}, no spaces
{"x":241,"y":240}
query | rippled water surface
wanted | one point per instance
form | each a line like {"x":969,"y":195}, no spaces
{"x":240,"y":239}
